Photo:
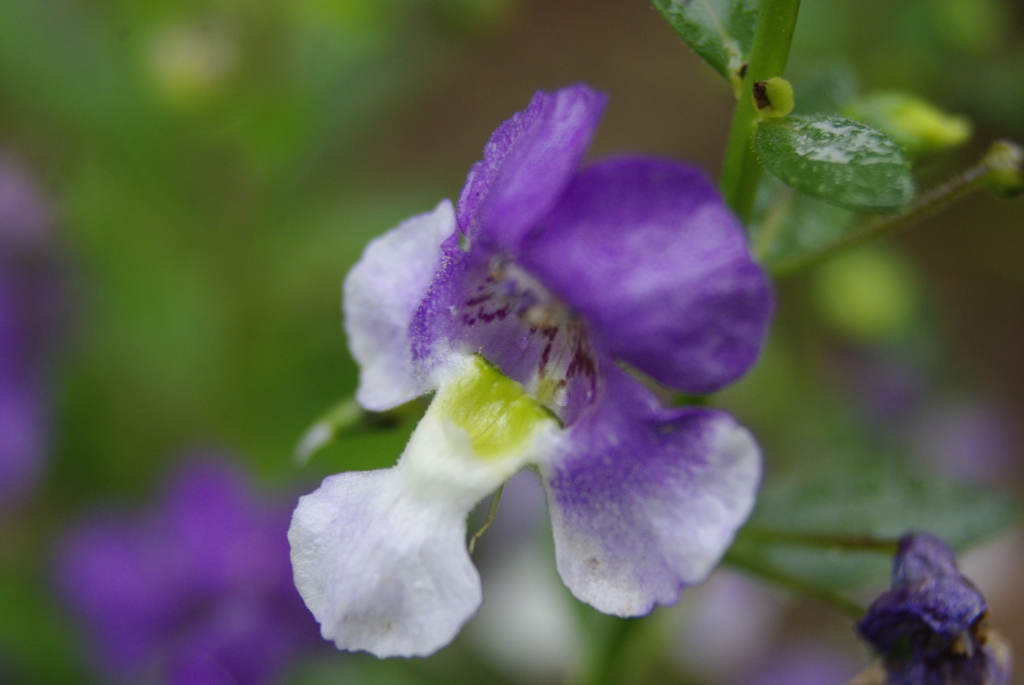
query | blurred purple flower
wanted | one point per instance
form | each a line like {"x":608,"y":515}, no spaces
{"x":886,"y":387}
{"x":31,"y":292}
{"x":930,"y":626}
{"x":197,"y":591}
{"x":966,"y":438}
{"x":805,"y":665}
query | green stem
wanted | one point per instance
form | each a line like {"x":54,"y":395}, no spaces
{"x":628,"y":651}
{"x":774,"y":220}
{"x":841,"y":602}
{"x":491,"y":514}
{"x":344,"y":418}
{"x":605,"y":669}
{"x":827,"y":541}
{"x":966,"y":183}
{"x":741,"y":172}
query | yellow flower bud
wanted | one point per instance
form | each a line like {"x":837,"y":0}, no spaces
{"x":773,"y":98}
{"x":918,"y":126}
{"x":1005,"y":161}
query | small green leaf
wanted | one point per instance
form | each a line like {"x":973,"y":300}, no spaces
{"x":799,"y":524}
{"x":789,"y":226}
{"x":825,"y":88}
{"x":840,"y":161}
{"x":343,"y":419}
{"x":720,"y":31}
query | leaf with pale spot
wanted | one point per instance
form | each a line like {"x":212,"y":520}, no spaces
{"x":838,"y":160}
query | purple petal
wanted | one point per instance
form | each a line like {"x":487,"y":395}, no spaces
{"x":113,"y":580}
{"x":246,"y":551}
{"x":945,"y":606}
{"x":24,"y":411}
{"x":236,"y":643}
{"x":527,"y":163}
{"x":645,"y":500}
{"x":647,"y":252}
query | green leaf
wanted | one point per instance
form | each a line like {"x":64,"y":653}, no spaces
{"x":802,"y":523}
{"x":824,"y":88}
{"x":720,"y":31}
{"x":344,"y":418}
{"x":838,"y":160}
{"x":790,"y":226}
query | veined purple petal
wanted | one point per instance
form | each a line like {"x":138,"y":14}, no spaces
{"x":645,"y":500}
{"x":481,"y":302}
{"x":527,"y":163}
{"x":646,"y":251}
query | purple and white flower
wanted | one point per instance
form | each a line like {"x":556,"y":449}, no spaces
{"x":516,"y":308}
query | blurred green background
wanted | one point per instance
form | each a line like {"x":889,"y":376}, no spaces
{"x":217,"y":165}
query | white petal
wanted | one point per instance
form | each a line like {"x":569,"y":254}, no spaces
{"x":381,"y":294}
{"x":380,"y":570}
{"x":380,"y":557}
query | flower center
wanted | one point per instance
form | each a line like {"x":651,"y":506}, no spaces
{"x":532,"y":336}
{"x":499,"y":416}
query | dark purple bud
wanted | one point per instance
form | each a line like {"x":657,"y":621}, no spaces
{"x":930,"y":626}
{"x":924,"y":556}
